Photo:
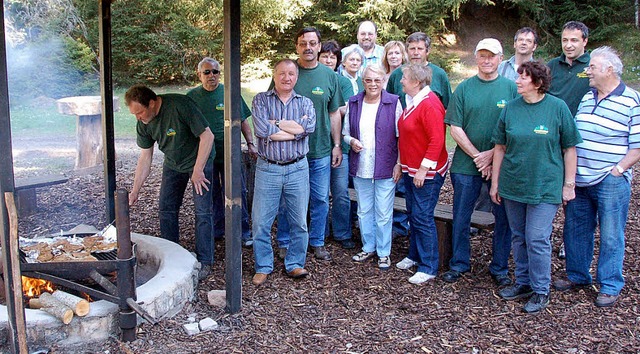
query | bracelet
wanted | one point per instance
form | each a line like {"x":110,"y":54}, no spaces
{"x":336,"y":145}
{"x":570,"y":184}
{"x":251,"y":143}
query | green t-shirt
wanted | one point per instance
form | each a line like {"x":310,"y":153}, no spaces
{"x":532,"y":170}
{"x":176,"y":128}
{"x":439,"y":84}
{"x":569,"y":82}
{"x":211,"y":104}
{"x":475,"y":107}
{"x":320,"y":84}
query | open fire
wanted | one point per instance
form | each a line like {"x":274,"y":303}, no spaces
{"x":32,"y":287}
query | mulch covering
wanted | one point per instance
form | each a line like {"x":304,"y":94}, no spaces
{"x":345,"y":306}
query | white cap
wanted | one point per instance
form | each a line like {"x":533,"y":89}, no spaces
{"x":490,"y":44}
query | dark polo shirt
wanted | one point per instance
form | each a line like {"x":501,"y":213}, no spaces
{"x":569,"y":82}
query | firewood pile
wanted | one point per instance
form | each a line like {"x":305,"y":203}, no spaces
{"x":61,"y":305}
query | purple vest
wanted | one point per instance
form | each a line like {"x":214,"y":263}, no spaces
{"x":385,"y":130}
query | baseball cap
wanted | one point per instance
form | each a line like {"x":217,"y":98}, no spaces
{"x":490,"y":44}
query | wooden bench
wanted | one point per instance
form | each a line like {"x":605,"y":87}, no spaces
{"x":25,"y":189}
{"x":443,"y":216}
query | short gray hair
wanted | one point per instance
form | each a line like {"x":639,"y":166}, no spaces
{"x":210,"y":61}
{"x":418,"y":72}
{"x":374,"y":68}
{"x":353,"y":49}
{"x":610,"y":58}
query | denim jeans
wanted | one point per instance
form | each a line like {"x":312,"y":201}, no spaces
{"x":606,"y":203}
{"x":375,"y":213}
{"x":400,"y":219}
{"x":531,"y":226}
{"x":171,"y":194}
{"x":273,"y":183}
{"x":341,"y":204}
{"x":319,"y":181}
{"x":466,"y":189}
{"x":423,"y":240}
{"x":217,"y":192}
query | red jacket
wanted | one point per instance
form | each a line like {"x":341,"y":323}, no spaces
{"x":422,"y":136}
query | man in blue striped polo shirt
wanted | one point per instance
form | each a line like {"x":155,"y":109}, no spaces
{"x":608,"y":119}
{"x":282,"y":122}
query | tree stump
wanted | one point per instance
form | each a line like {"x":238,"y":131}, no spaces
{"x":88,"y":110}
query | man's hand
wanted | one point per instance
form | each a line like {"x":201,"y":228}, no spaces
{"x":493,"y":192}
{"x":336,"y":156}
{"x":252,"y":150}
{"x":421,"y":174}
{"x":133,"y":198}
{"x":568,"y":194}
{"x":486,"y":173}
{"x":483,"y":159}
{"x":199,"y":182}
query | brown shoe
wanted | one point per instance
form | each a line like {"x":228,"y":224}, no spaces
{"x":606,"y":300}
{"x":564,"y":284}
{"x":259,"y":279}
{"x":298,"y":273}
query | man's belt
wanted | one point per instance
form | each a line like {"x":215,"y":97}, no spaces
{"x":280,"y":163}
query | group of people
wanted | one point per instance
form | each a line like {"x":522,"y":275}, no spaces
{"x":530,"y":137}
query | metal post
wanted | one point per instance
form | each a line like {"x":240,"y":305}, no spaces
{"x":15,"y":309}
{"x":232,"y":155}
{"x":126,"y":273}
{"x":106,"y":88}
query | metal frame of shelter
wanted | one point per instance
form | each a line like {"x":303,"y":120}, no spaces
{"x":233,"y":207}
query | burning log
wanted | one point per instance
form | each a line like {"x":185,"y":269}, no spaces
{"x":79,"y":305}
{"x":53,"y":306}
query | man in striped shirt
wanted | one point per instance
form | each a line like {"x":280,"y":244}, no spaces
{"x":608,"y":119}
{"x":282,"y":121}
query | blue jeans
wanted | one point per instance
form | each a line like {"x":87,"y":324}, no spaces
{"x":423,"y":239}
{"x":171,"y":194}
{"x":400,"y":219}
{"x":375,"y":213}
{"x":531,"y":226}
{"x":606,"y":203}
{"x":466,"y":189}
{"x":273,"y":183}
{"x":341,"y":203}
{"x":319,"y":181}
{"x":217,"y":193}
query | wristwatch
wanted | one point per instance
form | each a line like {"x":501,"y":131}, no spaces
{"x":620,"y":169}
{"x":278,"y":123}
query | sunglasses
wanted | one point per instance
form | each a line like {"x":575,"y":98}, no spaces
{"x":214,"y":72}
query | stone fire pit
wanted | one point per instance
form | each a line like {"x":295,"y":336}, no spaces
{"x":88,"y":110}
{"x":162,"y":296}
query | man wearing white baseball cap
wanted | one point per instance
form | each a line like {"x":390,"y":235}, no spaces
{"x":472,"y":115}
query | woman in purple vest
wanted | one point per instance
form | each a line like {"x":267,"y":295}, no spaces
{"x":370,"y":128}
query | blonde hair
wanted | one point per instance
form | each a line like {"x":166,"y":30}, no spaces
{"x":387,"y":48}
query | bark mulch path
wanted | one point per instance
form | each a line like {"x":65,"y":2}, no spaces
{"x":349,"y":307}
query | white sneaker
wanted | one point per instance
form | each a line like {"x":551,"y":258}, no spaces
{"x":420,"y":278}
{"x":405,"y":264}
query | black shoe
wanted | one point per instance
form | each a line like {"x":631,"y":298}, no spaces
{"x":501,"y":279}
{"x":205,"y":271}
{"x":564,"y":284}
{"x":605,"y":300}
{"x":451,"y":276}
{"x":515,"y":292}
{"x":321,"y":253}
{"x":347,"y":244}
{"x":536,"y":303}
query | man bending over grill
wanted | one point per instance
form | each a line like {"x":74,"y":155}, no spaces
{"x":183,"y":135}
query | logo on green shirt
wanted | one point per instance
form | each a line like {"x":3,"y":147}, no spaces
{"x":541,"y":129}
{"x":171,"y":132}
{"x":501,"y":103}
{"x":583,"y":74}
{"x":220,"y":107}
{"x":317,"y":91}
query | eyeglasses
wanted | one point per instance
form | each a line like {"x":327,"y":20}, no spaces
{"x":370,"y":81}
{"x":308,"y":44}
{"x":214,"y":72}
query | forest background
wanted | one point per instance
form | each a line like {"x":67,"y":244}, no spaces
{"x":53,"y":44}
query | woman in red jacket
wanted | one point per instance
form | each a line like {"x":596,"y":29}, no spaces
{"x":424,"y":161}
